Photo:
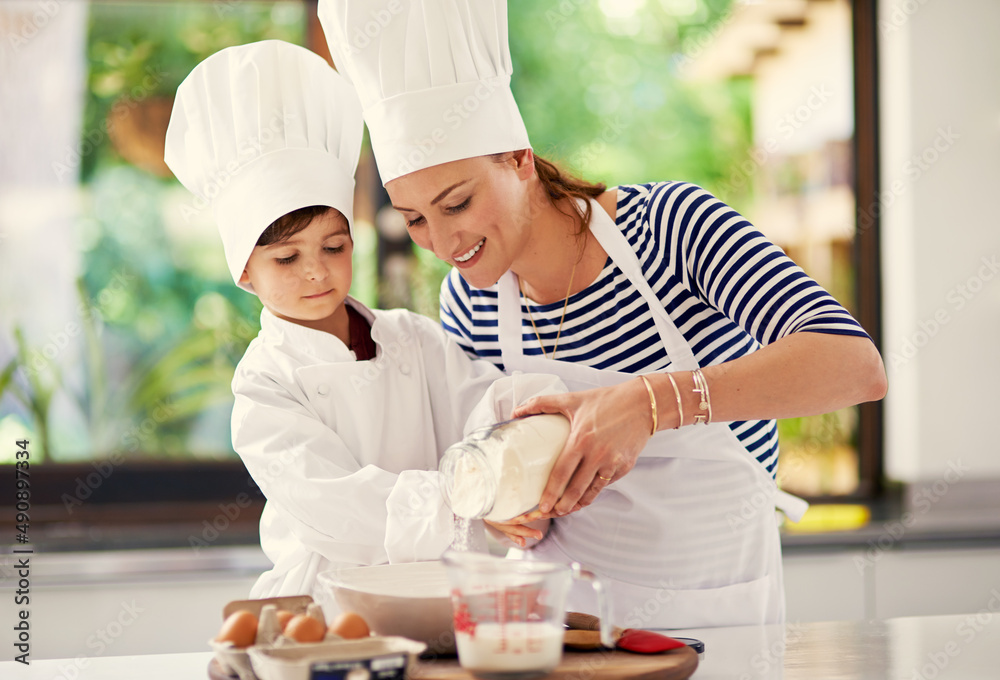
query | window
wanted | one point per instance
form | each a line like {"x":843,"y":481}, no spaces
{"x":119,"y":325}
{"x":120,"y":329}
{"x":810,"y":166}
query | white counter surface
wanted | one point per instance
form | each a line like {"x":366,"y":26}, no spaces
{"x":963,"y":647}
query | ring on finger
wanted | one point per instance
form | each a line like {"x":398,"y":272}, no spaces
{"x":606,"y":479}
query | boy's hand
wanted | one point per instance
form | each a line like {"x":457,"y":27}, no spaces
{"x":520,"y":531}
{"x":532,"y":516}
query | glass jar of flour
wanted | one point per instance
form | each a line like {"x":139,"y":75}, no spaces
{"x":499,"y":472}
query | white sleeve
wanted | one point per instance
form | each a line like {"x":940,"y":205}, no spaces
{"x":348,"y":513}
{"x":509,"y":391}
{"x":468,"y":393}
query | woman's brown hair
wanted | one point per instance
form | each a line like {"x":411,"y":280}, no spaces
{"x":560,"y":184}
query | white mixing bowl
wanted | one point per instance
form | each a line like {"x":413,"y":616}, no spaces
{"x":410,"y":600}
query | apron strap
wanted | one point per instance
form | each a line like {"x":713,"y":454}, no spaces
{"x":509,"y":319}
{"x":620,"y":250}
{"x":607,"y":233}
{"x":793,"y":506}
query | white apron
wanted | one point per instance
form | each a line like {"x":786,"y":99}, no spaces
{"x":688,"y":538}
{"x":347,"y":451}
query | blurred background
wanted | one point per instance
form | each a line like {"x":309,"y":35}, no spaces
{"x":125,"y":346}
{"x":861,"y":136}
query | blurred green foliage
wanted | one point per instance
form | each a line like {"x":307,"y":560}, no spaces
{"x":597,"y":84}
{"x":175,"y":333}
{"x":167,"y":326}
{"x":140,"y":50}
{"x":161,"y":336}
{"x":598,"y":88}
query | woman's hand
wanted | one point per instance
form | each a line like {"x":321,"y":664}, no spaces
{"x":521,"y":530}
{"x":609,"y":427}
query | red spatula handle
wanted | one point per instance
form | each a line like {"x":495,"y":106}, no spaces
{"x":647,"y":642}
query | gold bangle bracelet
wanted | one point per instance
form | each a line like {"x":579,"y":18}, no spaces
{"x":704,"y":401}
{"x":680,"y":405}
{"x":652,"y":404}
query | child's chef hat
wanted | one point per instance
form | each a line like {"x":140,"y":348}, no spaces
{"x":433,"y":77}
{"x":260,"y":130}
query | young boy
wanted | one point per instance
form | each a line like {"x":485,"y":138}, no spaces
{"x":341,"y":412}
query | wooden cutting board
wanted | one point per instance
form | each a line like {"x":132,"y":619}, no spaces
{"x":677,"y":664}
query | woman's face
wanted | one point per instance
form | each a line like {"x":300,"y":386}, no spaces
{"x":305,"y":278}
{"x":473,"y":213}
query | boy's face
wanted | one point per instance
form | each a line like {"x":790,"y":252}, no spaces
{"x":305,"y":278}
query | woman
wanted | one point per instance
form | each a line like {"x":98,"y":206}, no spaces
{"x":681,"y":332}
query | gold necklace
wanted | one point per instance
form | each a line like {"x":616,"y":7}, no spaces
{"x":520,"y":287}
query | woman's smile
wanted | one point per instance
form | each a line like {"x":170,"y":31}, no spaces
{"x":466,"y":259}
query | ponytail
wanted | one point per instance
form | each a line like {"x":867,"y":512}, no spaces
{"x":559,"y":185}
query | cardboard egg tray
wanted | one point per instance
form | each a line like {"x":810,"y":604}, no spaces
{"x":275,"y":657}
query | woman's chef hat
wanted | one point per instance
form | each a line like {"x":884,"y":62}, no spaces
{"x":260,"y":130}
{"x":433,"y":77}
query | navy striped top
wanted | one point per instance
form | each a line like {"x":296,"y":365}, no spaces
{"x":726,"y":287}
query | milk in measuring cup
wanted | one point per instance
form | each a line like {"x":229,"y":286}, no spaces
{"x":499,"y":472}
{"x":499,"y":649}
{"x":509,"y":614}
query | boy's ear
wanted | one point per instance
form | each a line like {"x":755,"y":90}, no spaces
{"x":244,"y":277}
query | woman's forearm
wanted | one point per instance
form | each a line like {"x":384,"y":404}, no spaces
{"x":800,"y":375}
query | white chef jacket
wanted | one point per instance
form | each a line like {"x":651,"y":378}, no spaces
{"x":346,"y":451}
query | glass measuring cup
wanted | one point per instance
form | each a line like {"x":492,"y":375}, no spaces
{"x":509,"y":614}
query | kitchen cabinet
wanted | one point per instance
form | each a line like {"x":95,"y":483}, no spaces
{"x":929,"y":582}
{"x":90,"y":605}
{"x":903,"y":581}
{"x":824,"y":587}
{"x":94,"y":620}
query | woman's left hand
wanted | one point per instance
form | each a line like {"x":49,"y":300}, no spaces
{"x":609,"y":426}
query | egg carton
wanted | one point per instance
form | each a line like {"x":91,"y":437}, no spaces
{"x":384,"y":658}
{"x":276,"y":651}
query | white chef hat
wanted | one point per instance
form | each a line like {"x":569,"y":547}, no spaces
{"x":433,"y":77}
{"x":260,"y":130}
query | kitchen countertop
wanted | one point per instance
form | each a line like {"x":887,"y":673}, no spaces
{"x":965,"y":647}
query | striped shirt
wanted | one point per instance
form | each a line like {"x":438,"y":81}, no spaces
{"x":726,"y":287}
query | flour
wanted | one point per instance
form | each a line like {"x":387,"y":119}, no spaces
{"x":501,"y":473}
{"x":473,"y":485}
{"x":461,"y":540}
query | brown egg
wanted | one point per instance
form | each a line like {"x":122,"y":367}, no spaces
{"x":302,"y":628}
{"x":240,"y":628}
{"x":284,"y":616}
{"x":350,"y":626}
